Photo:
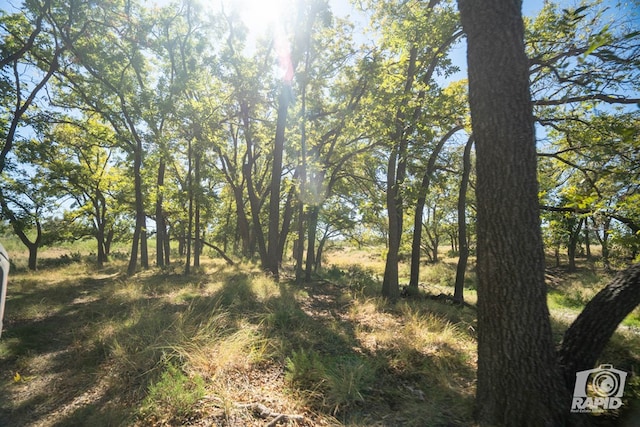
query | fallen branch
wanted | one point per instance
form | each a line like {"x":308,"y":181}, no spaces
{"x":220,"y":252}
{"x":263,"y":412}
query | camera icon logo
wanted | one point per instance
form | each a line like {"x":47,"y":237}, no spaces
{"x":599,"y":389}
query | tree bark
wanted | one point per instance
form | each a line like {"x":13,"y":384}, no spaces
{"x":588,"y":335}
{"x":458,"y":292}
{"x":519,"y":381}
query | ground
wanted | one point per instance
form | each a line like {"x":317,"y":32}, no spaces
{"x":229,"y":346}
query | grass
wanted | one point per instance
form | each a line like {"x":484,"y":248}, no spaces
{"x":90,"y":346}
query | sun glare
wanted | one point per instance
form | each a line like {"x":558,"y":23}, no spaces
{"x":261,"y":16}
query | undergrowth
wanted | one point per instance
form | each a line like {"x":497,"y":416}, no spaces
{"x":160,"y":348}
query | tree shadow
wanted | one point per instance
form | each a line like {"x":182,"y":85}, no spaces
{"x":87,"y":349}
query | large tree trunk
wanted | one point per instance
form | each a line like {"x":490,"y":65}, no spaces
{"x":519,"y":380}
{"x":587,"y":337}
{"x":458,"y":292}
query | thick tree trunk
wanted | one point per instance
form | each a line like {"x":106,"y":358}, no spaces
{"x":587,"y":337}
{"x":519,"y":380}
{"x":458,"y":292}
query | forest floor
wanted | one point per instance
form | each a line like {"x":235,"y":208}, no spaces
{"x":229,"y":346}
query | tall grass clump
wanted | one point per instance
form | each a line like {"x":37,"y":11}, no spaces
{"x":348,"y":380}
{"x":174,"y":396}
{"x":334,"y":383}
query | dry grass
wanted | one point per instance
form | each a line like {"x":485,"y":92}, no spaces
{"x":224,"y":344}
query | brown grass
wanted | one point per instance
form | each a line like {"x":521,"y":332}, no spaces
{"x":90,"y":346}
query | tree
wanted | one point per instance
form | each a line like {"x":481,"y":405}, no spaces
{"x":519,"y":383}
{"x":76,"y":159}
{"x":414,"y":39}
{"x":26,"y":201}
{"x":458,"y":295}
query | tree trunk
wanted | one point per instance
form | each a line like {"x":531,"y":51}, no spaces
{"x":257,"y":237}
{"x":604,"y":240}
{"x":574,"y":235}
{"x":187,"y":265}
{"x":139,"y":233}
{"x":390,"y":285}
{"x":519,"y":381}
{"x":286,"y":218}
{"x":273,"y":258}
{"x":198,"y":196}
{"x":298,"y":249}
{"x":243,"y":222}
{"x":161,"y":227}
{"x":458,"y":293}
{"x":587,"y":337}
{"x":587,"y":239}
{"x":312,"y":226}
{"x":422,"y":197}
{"x":396,"y":172}
{"x":100,"y":241}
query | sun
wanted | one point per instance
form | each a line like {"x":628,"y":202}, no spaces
{"x":261,"y":16}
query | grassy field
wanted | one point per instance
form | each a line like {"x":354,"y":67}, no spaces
{"x":229,"y":346}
